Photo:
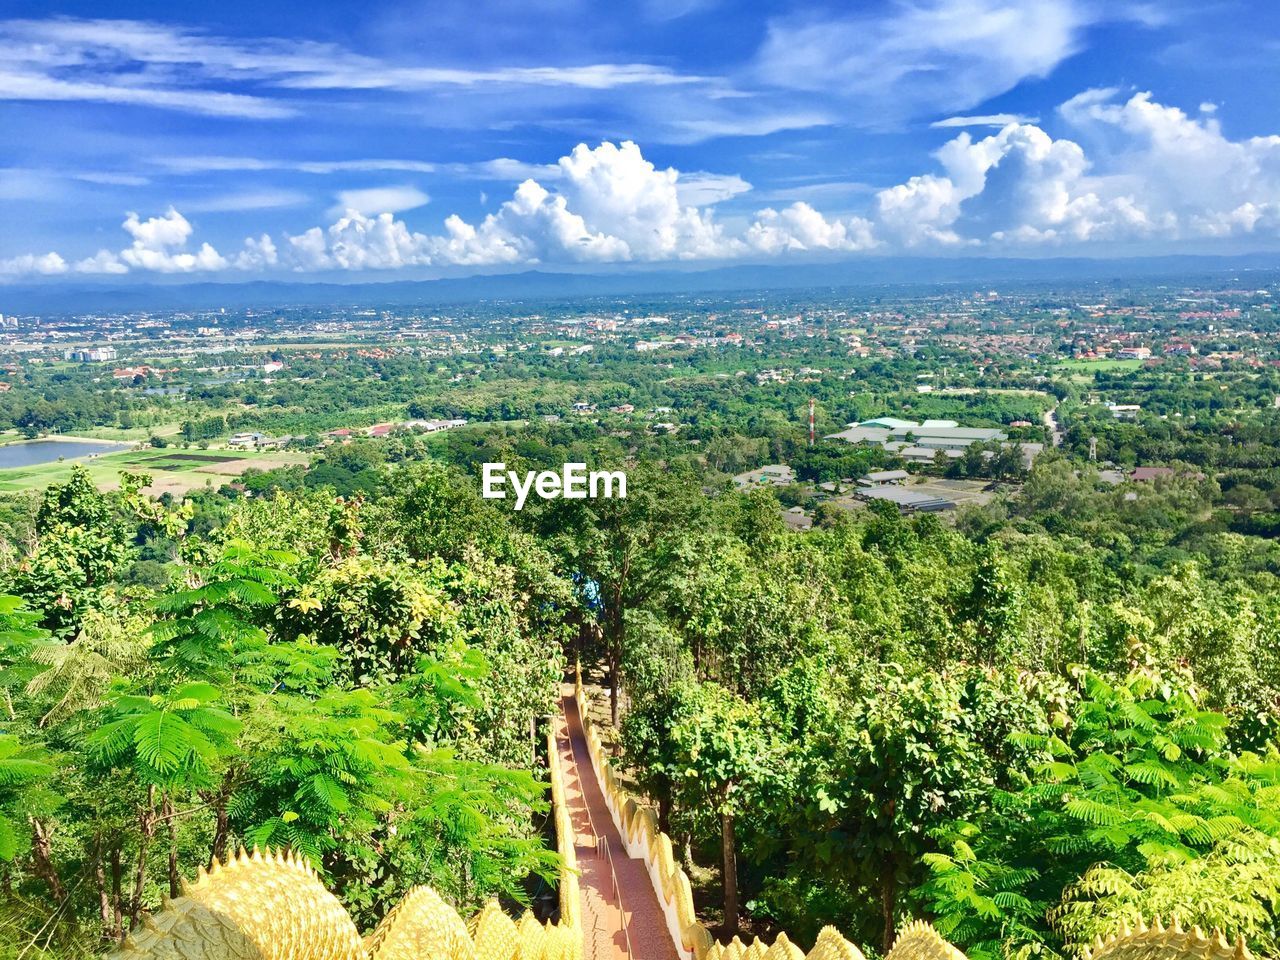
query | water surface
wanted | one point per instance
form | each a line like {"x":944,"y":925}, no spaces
{"x":30,"y":453}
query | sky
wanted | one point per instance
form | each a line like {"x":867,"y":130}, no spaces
{"x":258,"y":140}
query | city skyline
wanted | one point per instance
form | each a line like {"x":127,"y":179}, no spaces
{"x":415,"y":141}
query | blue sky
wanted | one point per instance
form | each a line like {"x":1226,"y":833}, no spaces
{"x":245,"y":140}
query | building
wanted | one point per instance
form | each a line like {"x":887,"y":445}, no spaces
{"x":132,"y":373}
{"x":246,"y":441}
{"x":933,"y":435}
{"x":257,"y":441}
{"x":433,"y":426}
{"x":776,"y":474}
{"x":907,"y":501}
{"x":878,"y":477}
{"x":92,"y":355}
{"x":796,"y":519}
{"x":1133,"y":353}
{"x":914,"y":454}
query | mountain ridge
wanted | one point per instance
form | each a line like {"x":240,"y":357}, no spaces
{"x":57,"y":297}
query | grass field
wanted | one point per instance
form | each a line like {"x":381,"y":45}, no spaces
{"x":1105,"y":366}
{"x":172,"y":470}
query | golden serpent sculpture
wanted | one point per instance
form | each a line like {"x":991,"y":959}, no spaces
{"x":273,"y":907}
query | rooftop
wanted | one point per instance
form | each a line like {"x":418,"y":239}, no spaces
{"x":906,"y":499}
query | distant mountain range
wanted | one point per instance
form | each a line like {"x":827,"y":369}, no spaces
{"x":59,"y":297}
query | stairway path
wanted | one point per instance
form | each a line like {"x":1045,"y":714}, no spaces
{"x":606,"y":922}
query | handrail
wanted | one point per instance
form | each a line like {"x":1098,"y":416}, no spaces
{"x":602,"y":842}
{"x":617,"y":893}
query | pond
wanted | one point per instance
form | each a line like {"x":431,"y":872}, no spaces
{"x":31,"y":453}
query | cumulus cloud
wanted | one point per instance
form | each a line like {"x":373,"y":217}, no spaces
{"x":259,"y":253}
{"x":104,"y":261}
{"x":534,"y":226}
{"x":1130,"y":170}
{"x":1150,"y":170}
{"x":159,"y":244}
{"x":358,"y":242}
{"x":1016,"y":185}
{"x":47,"y":264}
{"x":1182,"y":165}
{"x":610,"y":205}
{"x":801,"y":228}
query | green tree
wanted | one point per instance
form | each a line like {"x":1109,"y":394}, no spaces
{"x":626,"y":549}
{"x":717,"y":746}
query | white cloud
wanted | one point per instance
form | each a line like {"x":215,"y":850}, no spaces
{"x":705,"y":189}
{"x":104,"y":261}
{"x":232,"y":164}
{"x":174,"y":68}
{"x":357,"y":242}
{"x":18,"y":85}
{"x":111,"y":179}
{"x":665,"y":10}
{"x":47,"y":264}
{"x":259,"y":253}
{"x":985,"y":120}
{"x":374,"y":200}
{"x":159,"y":244}
{"x":248,"y":200}
{"x":363,"y":74}
{"x":1131,"y":170}
{"x":922,"y":210}
{"x":1181,"y":166}
{"x":1019,"y":186}
{"x":747,"y":125}
{"x":532,"y":227}
{"x":800,"y":228}
{"x":924,"y":56}
{"x":620,"y":193}
{"x":308,"y":251}
{"x":610,"y":205}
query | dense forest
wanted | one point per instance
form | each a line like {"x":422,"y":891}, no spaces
{"x":1054,"y":714}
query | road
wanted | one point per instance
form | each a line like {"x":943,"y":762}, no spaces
{"x":1051,"y":424}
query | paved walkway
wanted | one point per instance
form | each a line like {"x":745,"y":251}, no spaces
{"x":603,"y":917}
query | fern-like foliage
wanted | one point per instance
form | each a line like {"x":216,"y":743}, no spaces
{"x":1142,"y":807}
{"x":21,"y":770}
{"x":168,"y":740}
{"x":1213,"y":892}
{"x":214,"y":627}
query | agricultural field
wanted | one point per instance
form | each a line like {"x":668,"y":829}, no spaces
{"x":1100,"y":366}
{"x":173,"y":471}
